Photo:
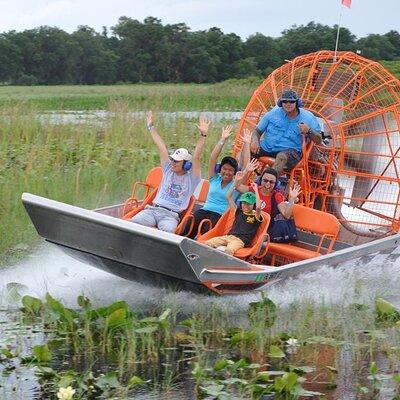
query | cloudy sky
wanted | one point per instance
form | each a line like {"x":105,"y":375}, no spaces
{"x":243,"y":17}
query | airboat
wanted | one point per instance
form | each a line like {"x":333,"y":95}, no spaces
{"x":349,"y":208}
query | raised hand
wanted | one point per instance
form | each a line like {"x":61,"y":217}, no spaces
{"x":149,"y":118}
{"x":203,"y":125}
{"x":254,"y":186}
{"x":226,"y":132}
{"x":247,"y":136}
{"x":294,"y":192}
{"x":238,"y":176}
{"x":252,"y":165}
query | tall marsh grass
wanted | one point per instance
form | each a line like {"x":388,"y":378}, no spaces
{"x":85,"y":164}
{"x":229,"y":95}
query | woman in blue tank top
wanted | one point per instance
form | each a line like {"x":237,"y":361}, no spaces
{"x":221,"y":179}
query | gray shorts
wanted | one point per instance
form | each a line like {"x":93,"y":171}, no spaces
{"x":161,"y":218}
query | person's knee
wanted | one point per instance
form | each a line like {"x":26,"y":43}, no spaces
{"x":143,"y":218}
{"x":168,"y":225}
{"x":281,"y":158}
{"x":280,"y":162}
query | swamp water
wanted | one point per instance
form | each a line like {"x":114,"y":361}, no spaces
{"x":338,"y":347}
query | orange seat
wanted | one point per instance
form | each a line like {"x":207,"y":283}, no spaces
{"x":187,"y":218}
{"x":201,"y":198}
{"x":325,"y":226}
{"x":224,"y":225}
{"x":205,"y":185}
{"x":148,"y":200}
{"x":153,"y":180}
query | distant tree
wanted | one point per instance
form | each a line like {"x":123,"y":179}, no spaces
{"x":10,"y":59}
{"x":48,"y":53}
{"x":200,"y":66}
{"x":394,"y":39}
{"x":264,"y":50}
{"x":96,"y":63}
{"x":246,"y":67}
{"x":314,"y":37}
{"x":149,"y":51}
{"x":377,"y":47}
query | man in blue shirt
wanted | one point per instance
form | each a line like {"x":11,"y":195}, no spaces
{"x":281,"y":131}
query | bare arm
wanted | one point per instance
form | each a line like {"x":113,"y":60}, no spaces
{"x":315,"y":136}
{"x":258,"y":201}
{"x":255,"y":140}
{"x":250,"y":168}
{"x":158,"y":141}
{"x":286,"y":208}
{"x":247,"y":134}
{"x":203,"y":127}
{"x":226,"y":132}
{"x":229,"y":193}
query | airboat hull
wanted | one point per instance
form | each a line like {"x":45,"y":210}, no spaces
{"x":163,"y":259}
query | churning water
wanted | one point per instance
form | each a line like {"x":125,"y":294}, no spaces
{"x":50,"y":270}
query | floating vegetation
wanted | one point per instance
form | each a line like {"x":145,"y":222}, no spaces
{"x":116,"y":352}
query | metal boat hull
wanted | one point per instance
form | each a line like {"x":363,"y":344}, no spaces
{"x":163,"y":259}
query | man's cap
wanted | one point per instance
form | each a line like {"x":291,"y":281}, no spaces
{"x":248,"y":197}
{"x":289,"y":94}
{"x":180,"y":155}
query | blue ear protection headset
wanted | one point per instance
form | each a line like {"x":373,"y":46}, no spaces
{"x":270,"y":171}
{"x":291,"y":95}
{"x":186,"y":165}
{"x":227,"y":160}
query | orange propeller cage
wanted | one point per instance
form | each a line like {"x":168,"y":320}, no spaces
{"x":357,"y":175}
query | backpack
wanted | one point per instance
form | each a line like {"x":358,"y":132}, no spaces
{"x":280,"y":230}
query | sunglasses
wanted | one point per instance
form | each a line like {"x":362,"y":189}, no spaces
{"x":289,"y":101}
{"x":269,"y":181}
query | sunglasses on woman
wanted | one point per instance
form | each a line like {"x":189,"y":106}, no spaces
{"x":268,"y":181}
{"x":289,"y":101}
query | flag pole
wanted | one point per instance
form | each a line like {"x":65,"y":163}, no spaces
{"x":337,"y":34}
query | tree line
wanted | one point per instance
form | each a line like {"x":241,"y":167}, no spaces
{"x":149,"y":51}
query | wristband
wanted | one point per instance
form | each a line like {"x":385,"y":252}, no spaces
{"x":222,"y":142}
{"x":150,"y":127}
{"x":202,"y":134}
{"x":291,"y":201}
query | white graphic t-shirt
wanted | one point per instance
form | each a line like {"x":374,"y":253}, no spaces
{"x":175,"y":190}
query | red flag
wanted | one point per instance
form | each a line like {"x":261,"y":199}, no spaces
{"x":346,"y":3}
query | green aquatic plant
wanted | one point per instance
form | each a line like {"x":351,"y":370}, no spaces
{"x":385,"y":311}
{"x":208,"y":350}
{"x":32,"y":305}
{"x":262,"y":312}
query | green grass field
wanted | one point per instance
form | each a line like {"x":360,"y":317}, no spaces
{"x":230,"y":95}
